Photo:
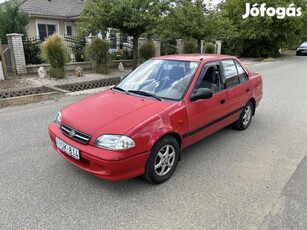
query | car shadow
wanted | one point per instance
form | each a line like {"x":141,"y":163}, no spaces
{"x":199,"y":152}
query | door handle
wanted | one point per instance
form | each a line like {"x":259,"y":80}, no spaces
{"x":222,"y":101}
{"x":247,"y":90}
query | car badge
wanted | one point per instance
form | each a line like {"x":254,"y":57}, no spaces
{"x":72,"y":133}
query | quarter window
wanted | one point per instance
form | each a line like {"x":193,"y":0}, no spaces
{"x":242,"y":74}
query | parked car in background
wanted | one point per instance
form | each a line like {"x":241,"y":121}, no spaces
{"x":302,"y":50}
{"x":140,"y":126}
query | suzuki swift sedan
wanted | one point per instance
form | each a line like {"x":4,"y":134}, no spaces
{"x":140,"y":126}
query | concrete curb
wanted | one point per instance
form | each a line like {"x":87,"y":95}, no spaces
{"x":21,"y":100}
{"x":56,"y":93}
{"x":89,"y":91}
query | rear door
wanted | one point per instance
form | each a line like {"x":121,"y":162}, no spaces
{"x":237,"y":86}
{"x":205,"y":116}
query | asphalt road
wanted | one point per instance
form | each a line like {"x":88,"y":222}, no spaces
{"x":255,"y":179}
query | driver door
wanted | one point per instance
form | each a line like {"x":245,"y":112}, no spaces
{"x":205,"y":116}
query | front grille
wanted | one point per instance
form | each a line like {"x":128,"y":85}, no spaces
{"x":75,"y":134}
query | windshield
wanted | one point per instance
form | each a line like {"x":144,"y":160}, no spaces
{"x":303,"y":45}
{"x":165,"y":79}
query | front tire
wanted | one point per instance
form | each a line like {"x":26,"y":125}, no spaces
{"x":245,"y":117}
{"x":162,"y":161}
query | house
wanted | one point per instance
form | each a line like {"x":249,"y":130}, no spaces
{"x":52,"y":16}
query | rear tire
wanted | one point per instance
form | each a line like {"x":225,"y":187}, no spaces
{"x":162,"y":161}
{"x":245,"y":117}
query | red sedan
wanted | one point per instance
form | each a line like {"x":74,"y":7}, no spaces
{"x":140,"y":126}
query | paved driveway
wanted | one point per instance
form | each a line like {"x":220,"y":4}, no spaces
{"x":254,"y":179}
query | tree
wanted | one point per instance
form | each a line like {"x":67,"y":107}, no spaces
{"x":263,"y":36}
{"x":191,"y":19}
{"x":132,"y":17}
{"x":12,"y":19}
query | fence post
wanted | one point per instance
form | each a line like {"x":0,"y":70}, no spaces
{"x":218,"y":44}
{"x":157,"y":44}
{"x":17,"y":53}
{"x":2,"y":64}
{"x":180,"y":44}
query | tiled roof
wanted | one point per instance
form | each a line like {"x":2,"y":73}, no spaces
{"x":53,"y":8}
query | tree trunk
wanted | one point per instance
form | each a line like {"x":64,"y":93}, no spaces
{"x":135,"y":51}
{"x":198,"y":49}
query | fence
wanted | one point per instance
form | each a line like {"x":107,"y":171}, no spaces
{"x":74,"y":47}
{"x":7,"y":58}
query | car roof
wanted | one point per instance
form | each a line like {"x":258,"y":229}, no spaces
{"x":195,"y":57}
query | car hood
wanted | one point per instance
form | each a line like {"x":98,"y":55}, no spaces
{"x":110,"y":112}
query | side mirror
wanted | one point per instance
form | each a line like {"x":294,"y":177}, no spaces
{"x":201,"y":93}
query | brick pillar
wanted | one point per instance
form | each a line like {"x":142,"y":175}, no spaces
{"x":17,"y":53}
{"x":157,"y":44}
{"x":142,"y":41}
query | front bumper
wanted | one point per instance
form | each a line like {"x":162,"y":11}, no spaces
{"x":301,"y":52}
{"x":102,"y":163}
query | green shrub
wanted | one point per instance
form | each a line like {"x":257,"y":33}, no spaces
{"x":210,"y":48}
{"x":232,"y":46}
{"x":127,"y":54}
{"x":54,"y":52}
{"x":189,"y":47}
{"x":147,"y":50}
{"x":98,"y":53}
{"x":32,"y":51}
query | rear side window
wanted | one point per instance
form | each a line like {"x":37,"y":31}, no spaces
{"x":230,"y":72}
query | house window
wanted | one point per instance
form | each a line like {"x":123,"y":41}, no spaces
{"x":45,"y":30}
{"x":69,"y":30}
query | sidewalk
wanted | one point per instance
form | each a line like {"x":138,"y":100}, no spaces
{"x":32,"y":81}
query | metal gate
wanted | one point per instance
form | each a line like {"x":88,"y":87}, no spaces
{"x":7,"y":58}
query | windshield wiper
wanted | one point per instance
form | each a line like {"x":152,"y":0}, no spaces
{"x":146,"y":94}
{"x":120,"y":89}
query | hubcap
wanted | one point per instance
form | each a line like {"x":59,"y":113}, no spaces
{"x":247,"y":115}
{"x":164,"y":160}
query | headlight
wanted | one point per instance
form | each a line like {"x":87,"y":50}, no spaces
{"x":58,"y":119}
{"x":114,"y":142}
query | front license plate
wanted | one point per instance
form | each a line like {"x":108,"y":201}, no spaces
{"x":68,"y":149}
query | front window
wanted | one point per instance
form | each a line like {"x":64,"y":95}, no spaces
{"x":165,"y":79}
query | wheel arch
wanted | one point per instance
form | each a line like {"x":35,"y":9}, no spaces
{"x":253,"y":101}
{"x":177,"y":138}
